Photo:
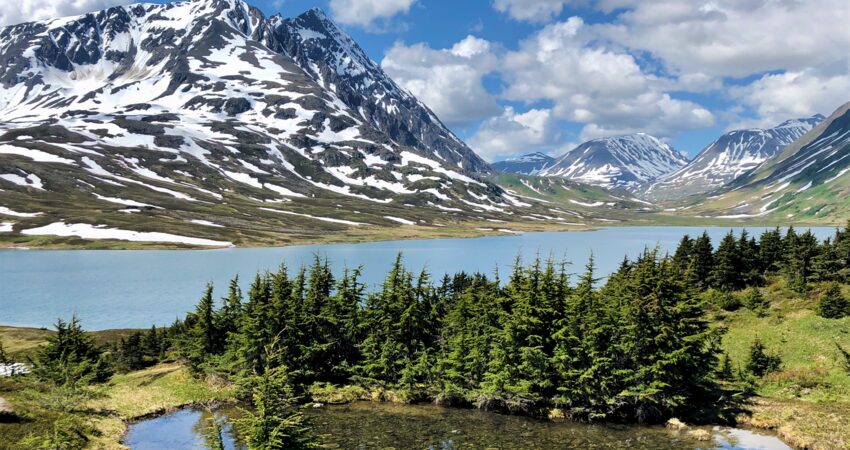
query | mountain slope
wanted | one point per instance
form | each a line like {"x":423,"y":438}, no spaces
{"x":336,"y":62}
{"x":169,"y":110}
{"x":732,"y":155}
{"x":191,"y":123}
{"x":623,"y":162}
{"x":529,"y":164}
{"x":581,"y":201}
{"x":807,"y":181}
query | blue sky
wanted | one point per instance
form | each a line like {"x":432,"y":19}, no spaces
{"x":516,"y":76}
{"x":684,"y":70}
{"x":441,"y":24}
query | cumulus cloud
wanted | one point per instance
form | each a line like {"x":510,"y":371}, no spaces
{"x":604,"y":89}
{"x":365,"y":12}
{"x":448,"y":80}
{"x":778,"y":97}
{"x":733,"y":37}
{"x":530,"y":10}
{"x":513,"y":133}
{"x":17,"y":11}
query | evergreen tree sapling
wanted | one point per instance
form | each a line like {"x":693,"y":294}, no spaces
{"x":761,"y":362}
{"x":833,"y":304}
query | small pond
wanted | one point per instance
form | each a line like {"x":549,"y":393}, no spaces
{"x":370,"y":425}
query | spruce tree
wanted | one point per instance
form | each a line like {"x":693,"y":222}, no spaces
{"x":394,"y":322}
{"x":761,"y":362}
{"x":684,"y":253}
{"x":229,"y":315}
{"x":748,"y":260}
{"x":131,"y":355}
{"x":702,"y":263}
{"x":755,"y":301}
{"x":255,"y":333}
{"x":842,"y":253}
{"x":204,"y":338}
{"x":771,"y":252}
{"x":69,"y":357}
{"x":827,"y":264}
{"x":342,"y":316}
{"x":275,"y":422}
{"x":519,"y":370}
{"x":670,"y":348}
{"x":833,"y":304}
{"x":725,"y":373}
{"x":152,"y":344}
{"x":801,"y":252}
{"x":726,"y":272}
{"x":467,"y":337}
{"x":585,"y":359}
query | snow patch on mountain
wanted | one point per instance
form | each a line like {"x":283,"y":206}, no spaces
{"x":729,"y":157}
{"x":623,"y":162}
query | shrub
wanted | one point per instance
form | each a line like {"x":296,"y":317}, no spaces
{"x":761,"y":362}
{"x":845,"y":358}
{"x":723,"y":300}
{"x":832,"y":304}
{"x":755,"y":301}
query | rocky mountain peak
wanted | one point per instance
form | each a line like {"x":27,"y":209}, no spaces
{"x":729,"y":157}
{"x":620,"y":162}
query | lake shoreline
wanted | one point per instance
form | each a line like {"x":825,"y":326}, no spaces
{"x":381,"y":234}
{"x":134,"y":289}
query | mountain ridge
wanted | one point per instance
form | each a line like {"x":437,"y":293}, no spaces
{"x":620,"y":162}
{"x":528,"y":164}
{"x":807,"y":180}
{"x":727,"y":158}
{"x":179,"y":118}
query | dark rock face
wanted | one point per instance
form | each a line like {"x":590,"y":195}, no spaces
{"x":235,"y":106}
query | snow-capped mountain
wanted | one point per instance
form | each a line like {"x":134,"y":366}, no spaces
{"x":732,"y":155}
{"x":160,"y":109}
{"x":334,"y":60}
{"x":529,"y":164}
{"x":623,"y":162}
{"x":808,"y":180}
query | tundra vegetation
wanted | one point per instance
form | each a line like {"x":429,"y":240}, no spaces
{"x":703,"y":335}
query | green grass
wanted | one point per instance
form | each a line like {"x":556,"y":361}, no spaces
{"x":21,"y":343}
{"x":105,"y":416}
{"x":808,"y":400}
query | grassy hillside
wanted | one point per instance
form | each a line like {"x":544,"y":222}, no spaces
{"x":808,"y":400}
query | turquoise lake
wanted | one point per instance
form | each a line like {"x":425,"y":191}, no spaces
{"x":138,"y":288}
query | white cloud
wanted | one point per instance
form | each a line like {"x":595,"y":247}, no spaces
{"x":514,"y":133}
{"x":530,"y":10}
{"x":733,"y":37}
{"x":17,"y":11}
{"x":602,"y":88}
{"x":365,"y":12}
{"x":778,"y":97}
{"x":447,"y":80}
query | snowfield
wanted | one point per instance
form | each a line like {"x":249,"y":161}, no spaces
{"x":98,"y":232}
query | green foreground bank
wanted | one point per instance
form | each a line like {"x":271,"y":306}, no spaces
{"x":754,"y":331}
